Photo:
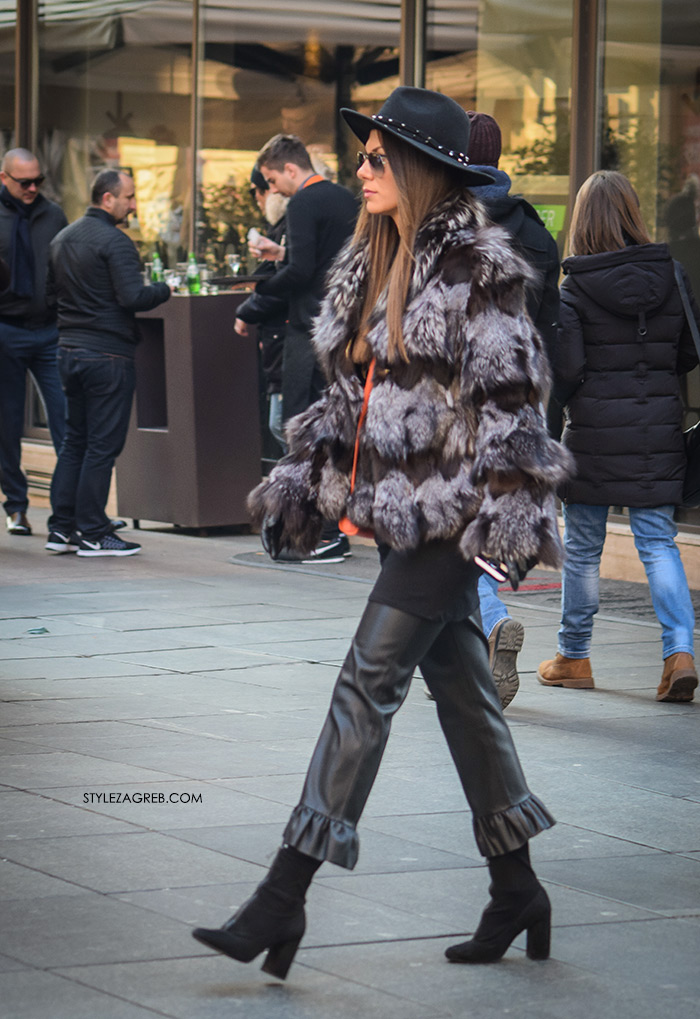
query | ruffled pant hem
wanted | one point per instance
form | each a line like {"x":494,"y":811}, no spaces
{"x":509,"y":829}
{"x":322,"y":837}
{"x":325,"y":838}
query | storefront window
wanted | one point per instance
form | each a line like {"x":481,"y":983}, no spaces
{"x":114,"y":91}
{"x":116,"y":88}
{"x":631,"y":137}
{"x":651,"y":130}
{"x":8,"y":17}
{"x":512,"y":60}
{"x":284,"y":71}
{"x":651,"y":117}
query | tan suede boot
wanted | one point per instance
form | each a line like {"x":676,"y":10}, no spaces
{"x":573,"y":673}
{"x":679,"y":678}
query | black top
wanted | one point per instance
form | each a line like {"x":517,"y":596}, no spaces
{"x":95,"y":281}
{"x":433,"y":581}
{"x":320,"y":219}
{"x":623,"y":341}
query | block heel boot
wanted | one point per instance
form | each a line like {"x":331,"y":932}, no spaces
{"x":273,"y":918}
{"x":518,"y":903}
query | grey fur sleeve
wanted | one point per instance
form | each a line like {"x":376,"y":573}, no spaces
{"x":506,"y":380}
{"x":290,"y":493}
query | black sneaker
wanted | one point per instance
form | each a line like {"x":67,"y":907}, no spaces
{"x":108,"y":544}
{"x":331,"y":550}
{"x":60,"y":542}
{"x":288,"y":555}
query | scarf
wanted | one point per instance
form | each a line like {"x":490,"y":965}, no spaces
{"x":21,"y":252}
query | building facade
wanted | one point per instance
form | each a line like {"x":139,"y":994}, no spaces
{"x":185,"y":92}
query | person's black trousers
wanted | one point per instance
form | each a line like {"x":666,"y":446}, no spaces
{"x":21,"y":351}
{"x":99,"y":389}
{"x":302,"y":378}
{"x":372,"y":686}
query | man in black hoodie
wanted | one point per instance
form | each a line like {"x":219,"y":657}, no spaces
{"x":536,"y":244}
{"x":95,"y":280}
{"x":28,"y":334}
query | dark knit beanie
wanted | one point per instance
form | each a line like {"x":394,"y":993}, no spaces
{"x":484,"y":140}
{"x":257,"y":180}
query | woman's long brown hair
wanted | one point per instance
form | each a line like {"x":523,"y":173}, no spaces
{"x":606,"y":215}
{"x":422,"y":183}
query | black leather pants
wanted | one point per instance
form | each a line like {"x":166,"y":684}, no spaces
{"x":372,"y":686}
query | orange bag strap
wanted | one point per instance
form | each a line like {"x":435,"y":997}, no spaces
{"x":363,"y":414}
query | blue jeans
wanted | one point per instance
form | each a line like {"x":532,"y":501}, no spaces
{"x":654,"y":532}
{"x":491,"y":607}
{"x":22,"y":351}
{"x":99,"y":389}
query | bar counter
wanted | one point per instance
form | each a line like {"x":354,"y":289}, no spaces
{"x":192,"y":453}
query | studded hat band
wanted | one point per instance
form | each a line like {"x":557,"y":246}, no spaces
{"x":420,"y":136}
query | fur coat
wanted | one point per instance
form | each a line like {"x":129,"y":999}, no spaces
{"x":454,"y":443}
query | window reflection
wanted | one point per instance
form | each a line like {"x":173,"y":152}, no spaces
{"x":8,"y":15}
{"x":288,"y":73}
{"x":512,"y":60}
{"x":651,"y":127}
{"x":116,"y":85}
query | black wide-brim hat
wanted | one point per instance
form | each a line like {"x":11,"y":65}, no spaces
{"x":428,"y":121}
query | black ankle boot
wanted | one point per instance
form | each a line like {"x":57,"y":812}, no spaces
{"x":518,"y":903}
{"x":272,"y":918}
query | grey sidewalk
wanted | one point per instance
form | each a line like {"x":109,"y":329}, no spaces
{"x":201,"y":672}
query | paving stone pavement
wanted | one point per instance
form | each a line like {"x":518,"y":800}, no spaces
{"x":199,"y":673}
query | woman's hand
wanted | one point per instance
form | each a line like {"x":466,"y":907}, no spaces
{"x":271,"y":534}
{"x":518,"y":569}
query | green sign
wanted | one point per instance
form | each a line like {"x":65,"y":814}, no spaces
{"x":552,"y":216}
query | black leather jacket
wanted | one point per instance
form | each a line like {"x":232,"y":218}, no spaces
{"x":95,"y":281}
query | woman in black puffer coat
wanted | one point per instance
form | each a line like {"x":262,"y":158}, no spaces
{"x":623,"y":342}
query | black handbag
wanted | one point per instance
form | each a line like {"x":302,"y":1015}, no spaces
{"x":691,"y":485}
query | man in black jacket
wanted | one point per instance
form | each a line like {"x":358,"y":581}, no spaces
{"x":515,"y":214}
{"x":28,"y":334}
{"x":320,"y":218}
{"x":95,"y":279}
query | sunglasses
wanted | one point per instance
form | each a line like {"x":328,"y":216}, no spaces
{"x":36,"y":181}
{"x":376,"y":162}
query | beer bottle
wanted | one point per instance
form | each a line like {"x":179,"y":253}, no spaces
{"x":193,"y":281}
{"x":157,"y":270}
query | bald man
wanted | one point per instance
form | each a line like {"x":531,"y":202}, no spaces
{"x":28,"y":332}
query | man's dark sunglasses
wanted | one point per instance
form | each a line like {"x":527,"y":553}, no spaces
{"x":374,"y":159}
{"x":27,"y":183}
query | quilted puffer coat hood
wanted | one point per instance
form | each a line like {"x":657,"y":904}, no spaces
{"x":636,"y":279}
